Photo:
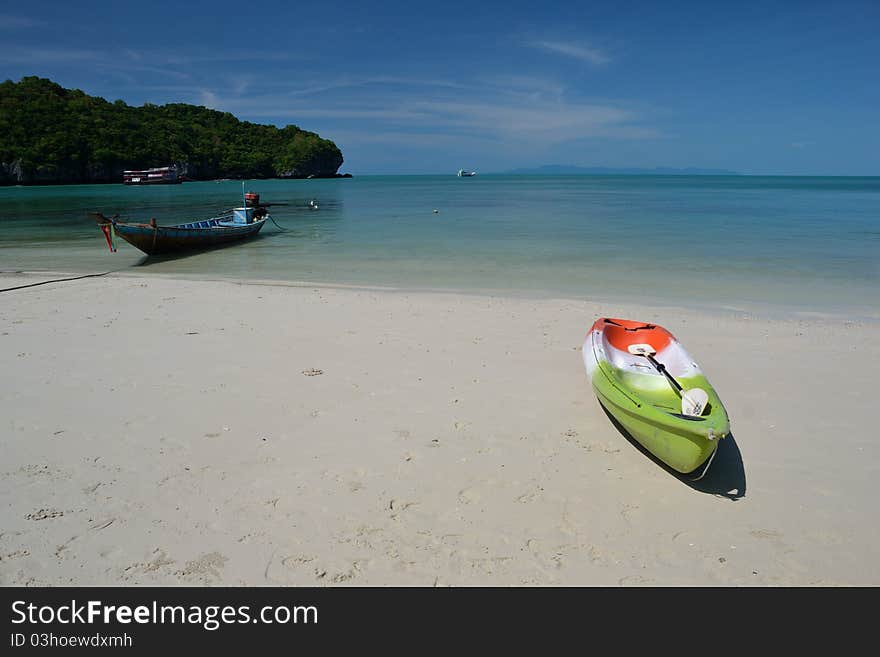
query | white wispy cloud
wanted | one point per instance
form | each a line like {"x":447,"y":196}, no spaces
{"x":421,"y":139}
{"x":8,"y":22}
{"x":36,"y":55}
{"x":240,"y":84}
{"x":526,"y":87}
{"x":190,"y":59}
{"x":503,"y":108}
{"x":339,"y":84}
{"x":579,"y":51}
{"x":209,"y":99}
{"x":126,"y":63}
{"x":523,"y":113}
{"x":127,"y":59}
{"x":560,"y":120}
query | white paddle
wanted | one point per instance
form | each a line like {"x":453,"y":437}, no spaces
{"x":693,"y":401}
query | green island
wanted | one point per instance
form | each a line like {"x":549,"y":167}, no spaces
{"x":53,"y":135}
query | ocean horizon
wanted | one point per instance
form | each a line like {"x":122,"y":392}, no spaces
{"x":783,"y":243}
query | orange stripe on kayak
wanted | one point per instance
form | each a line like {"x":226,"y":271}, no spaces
{"x":621,"y":333}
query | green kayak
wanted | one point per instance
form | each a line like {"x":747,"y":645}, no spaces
{"x":647,"y":381}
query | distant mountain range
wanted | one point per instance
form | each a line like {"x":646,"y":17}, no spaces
{"x":556,"y":169}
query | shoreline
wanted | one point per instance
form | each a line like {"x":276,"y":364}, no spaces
{"x":172,"y":184}
{"x":165,"y":431}
{"x":752,"y":309}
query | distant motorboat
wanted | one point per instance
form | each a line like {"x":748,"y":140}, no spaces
{"x":466,"y":174}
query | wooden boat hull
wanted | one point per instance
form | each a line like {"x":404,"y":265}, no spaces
{"x":641,"y":399}
{"x":174,"y":239}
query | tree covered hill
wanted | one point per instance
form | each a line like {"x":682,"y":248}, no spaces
{"x":52,"y":135}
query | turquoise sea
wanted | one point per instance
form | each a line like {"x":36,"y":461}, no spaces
{"x":800,"y":243}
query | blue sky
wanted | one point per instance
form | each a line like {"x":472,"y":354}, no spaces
{"x":410,"y":87}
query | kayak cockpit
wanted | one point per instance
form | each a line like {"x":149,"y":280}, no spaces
{"x":636,"y":374}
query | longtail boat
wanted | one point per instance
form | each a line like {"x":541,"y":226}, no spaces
{"x":229,"y":226}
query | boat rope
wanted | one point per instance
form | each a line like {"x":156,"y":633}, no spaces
{"x":58,"y":280}
{"x":276,"y":223}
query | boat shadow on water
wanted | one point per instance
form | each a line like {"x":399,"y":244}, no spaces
{"x":726,"y":476}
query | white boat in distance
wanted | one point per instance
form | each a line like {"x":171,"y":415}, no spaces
{"x":464,"y":174}
{"x":155,"y":176}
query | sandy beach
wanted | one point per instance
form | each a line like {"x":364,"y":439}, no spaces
{"x":175,"y":432}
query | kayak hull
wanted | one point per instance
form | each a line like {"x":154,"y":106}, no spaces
{"x":644,"y":402}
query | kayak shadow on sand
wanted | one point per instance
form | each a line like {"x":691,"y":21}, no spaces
{"x":726,"y":476}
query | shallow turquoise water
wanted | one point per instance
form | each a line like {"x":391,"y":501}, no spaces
{"x":794,"y":242}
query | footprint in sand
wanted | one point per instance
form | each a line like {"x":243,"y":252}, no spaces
{"x":158,"y":561}
{"x":468,"y":495}
{"x":33,"y":470}
{"x":44,"y":514}
{"x":573,"y":437}
{"x":765,"y":533}
{"x":530,"y":496}
{"x":398,"y":506}
{"x":489,"y":565}
{"x":295,"y":561}
{"x":203,"y":569}
{"x":98,"y":525}
{"x":15,"y":555}
{"x":340,"y":578}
